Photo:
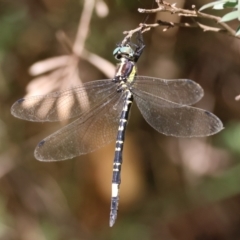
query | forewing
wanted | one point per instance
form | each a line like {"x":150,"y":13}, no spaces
{"x":174,"y":119}
{"x":91,"y":131}
{"x":181,"y":91}
{"x":62,"y":105}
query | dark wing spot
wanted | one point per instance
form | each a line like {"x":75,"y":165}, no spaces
{"x":21,"y":100}
{"x":216,"y":125}
{"x":190,"y":82}
{"x":208,"y":113}
{"x":41,"y":143}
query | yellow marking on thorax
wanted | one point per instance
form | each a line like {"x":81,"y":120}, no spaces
{"x":132,"y":74}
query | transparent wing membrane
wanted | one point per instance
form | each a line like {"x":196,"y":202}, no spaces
{"x":174,"y":119}
{"x":181,"y":91}
{"x":93,"y":130}
{"x":62,"y":105}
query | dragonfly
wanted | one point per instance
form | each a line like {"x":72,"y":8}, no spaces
{"x":102,"y":109}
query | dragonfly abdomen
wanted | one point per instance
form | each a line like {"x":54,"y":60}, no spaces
{"x":117,"y":163}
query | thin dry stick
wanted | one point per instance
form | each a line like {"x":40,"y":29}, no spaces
{"x":188,"y":25}
{"x":171,"y":8}
{"x":83,"y":27}
{"x":74,"y":49}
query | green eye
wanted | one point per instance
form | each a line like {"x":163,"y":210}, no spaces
{"x":127,"y":50}
{"x":116,"y":51}
{"x":119,"y":51}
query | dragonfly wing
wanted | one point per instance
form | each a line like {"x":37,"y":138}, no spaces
{"x":181,"y":91}
{"x":95,"y":129}
{"x":174,"y":119}
{"x":62,"y":105}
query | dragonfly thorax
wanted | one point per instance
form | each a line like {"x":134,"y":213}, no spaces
{"x":125,"y":71}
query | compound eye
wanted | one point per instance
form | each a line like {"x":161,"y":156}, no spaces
{"x":116,"y":51}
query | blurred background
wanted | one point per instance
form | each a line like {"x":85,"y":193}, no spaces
{"x":172,"y":189}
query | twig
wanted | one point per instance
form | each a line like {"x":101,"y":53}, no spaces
{"x":171,"y":8}
{"x":61,"y":72}
{"x":83,"y":27}
{"x":205,"y":28}
{"x":143,"y":27}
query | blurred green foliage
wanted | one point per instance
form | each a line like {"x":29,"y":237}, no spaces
{"x":231,"y":137}
{"x":9,"y":29}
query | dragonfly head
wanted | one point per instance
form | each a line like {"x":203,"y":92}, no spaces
{"x":125,"y":51}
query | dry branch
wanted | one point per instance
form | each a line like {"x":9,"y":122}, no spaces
{"x":164,"y":6}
